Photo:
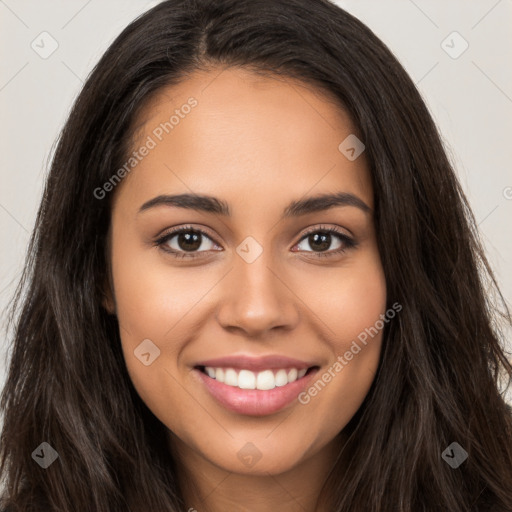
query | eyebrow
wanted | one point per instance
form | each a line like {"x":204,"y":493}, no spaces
{"x":296,"y":208}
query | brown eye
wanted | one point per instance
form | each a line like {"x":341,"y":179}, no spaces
{"x":320,"y":240}
{"x":188,"y":241}
{"x":185,"y":242}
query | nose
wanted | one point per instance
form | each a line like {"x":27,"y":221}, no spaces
{"x":257,"y":299}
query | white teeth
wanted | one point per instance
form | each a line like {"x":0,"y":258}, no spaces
{"x":292,"y":375}
{"x":265,"y":380}
{"x":246,"y":379}
{"x":231,"y":377}
{"x":219,"y":374}
{"x":281,"y":378}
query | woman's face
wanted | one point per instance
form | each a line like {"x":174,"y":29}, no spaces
{"x":254,"y":298}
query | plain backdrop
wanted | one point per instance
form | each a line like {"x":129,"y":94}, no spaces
{"x":457,"y":52}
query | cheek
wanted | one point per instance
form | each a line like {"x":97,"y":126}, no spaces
{"x":348,"y":300}
{"x":153,"y":298}
{"x":152,"y":303}
{"x":351,"y":307}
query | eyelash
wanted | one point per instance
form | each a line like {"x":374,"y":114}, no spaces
{"x":348,"y":242}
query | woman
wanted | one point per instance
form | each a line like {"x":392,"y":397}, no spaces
{"x":254,"y":282}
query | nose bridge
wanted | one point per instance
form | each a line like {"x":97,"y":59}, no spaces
{"x":257,"y":282}
{"x":256,"y":298}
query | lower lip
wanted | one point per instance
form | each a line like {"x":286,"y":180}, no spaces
{"x":255,"y":402}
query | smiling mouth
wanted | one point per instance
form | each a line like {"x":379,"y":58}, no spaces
{"x":264,"y":380}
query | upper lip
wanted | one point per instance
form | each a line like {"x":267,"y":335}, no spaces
{"x":270,"y":362}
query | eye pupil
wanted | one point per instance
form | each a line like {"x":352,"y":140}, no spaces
{"x":324,"y":240}
{"x":189,"y":241}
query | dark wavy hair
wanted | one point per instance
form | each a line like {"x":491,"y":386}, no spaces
{"x":443,"y":358}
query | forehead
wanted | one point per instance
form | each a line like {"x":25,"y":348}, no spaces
{"x":231,"y":132}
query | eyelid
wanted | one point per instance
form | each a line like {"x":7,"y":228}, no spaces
{"x":349,"y":241}
{"x":169,"y":234}
{"x":330,"y":229}
{"x":184,"y":228}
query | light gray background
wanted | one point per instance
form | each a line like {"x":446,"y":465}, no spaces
{"x":469,"y":96}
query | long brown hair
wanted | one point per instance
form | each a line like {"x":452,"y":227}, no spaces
{"x":442,"y":357}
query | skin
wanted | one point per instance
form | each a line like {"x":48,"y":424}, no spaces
{"x":256,"y":143}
